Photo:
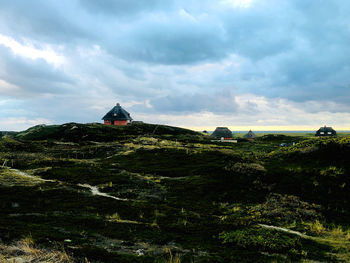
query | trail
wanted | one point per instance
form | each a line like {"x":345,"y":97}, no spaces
{"x":94,"y":190}
{"x":282,"y":229}
{"x":24,"y":174}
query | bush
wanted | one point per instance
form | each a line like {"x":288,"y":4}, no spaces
{"x":288,"y":208}
{"x":317,"y":228}
{"x":259,"y":238}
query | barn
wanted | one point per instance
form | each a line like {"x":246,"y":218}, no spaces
{"x":117,"y":116}
{"x":222,"y":132}
{"x":326,"y":131}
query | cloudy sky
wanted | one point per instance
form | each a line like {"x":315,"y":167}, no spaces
{"x":260,"y":64}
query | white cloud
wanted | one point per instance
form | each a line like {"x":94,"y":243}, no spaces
{"x":187,"y":16}
{"x":237,"y":3}
{"x":8,"y":88}
{"x":20,"y":123}
{"x":259,"y":113}
{"x":28,"y":50}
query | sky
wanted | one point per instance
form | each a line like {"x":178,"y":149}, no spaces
{"x":243,"y":64}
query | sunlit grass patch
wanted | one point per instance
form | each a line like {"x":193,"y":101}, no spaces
{"x":317,"y":228}
{"x":11,"y":177}
{"x":25,"y":250}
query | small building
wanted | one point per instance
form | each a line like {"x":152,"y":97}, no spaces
{"x":117,"y":116}
{"x":250,"y":136}
{"x":326,"y":131}
{"x":222,"y":133}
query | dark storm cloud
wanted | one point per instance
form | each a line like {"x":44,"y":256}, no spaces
{"x":218,"y":103}
{"x":31,"y":76}
{"x":172,"y":44}
{"x":50,"y":21}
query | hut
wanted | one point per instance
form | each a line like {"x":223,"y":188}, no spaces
{"x":250,"y":135}
{"x":326,"y":131}
{"x":117,"y":116}
{"x":222,"y":133}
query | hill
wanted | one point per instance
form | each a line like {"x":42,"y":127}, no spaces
{"x":146,"y":194}
{"x":77,"y":132}
{"x":10,"y":133}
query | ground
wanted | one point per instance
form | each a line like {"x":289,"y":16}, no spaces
{"x":151,"y":193}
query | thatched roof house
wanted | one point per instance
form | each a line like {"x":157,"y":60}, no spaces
{"x":326,"y":131}
{"x":117,"y":116}
{"x":222,"y":132}
{"x":250,"y":135}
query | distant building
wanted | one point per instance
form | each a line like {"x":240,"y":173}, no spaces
{"x":117,"y":116}
{"x":222,"y":133}
{"x":250,"y":135}
{"x":326,"y":131}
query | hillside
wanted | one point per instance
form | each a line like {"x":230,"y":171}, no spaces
{"x":165,"y":194}
{"x":3,"y":133}
{"x":76,"y":132}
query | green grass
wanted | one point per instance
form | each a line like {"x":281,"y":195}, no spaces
{"x":188,"y":199}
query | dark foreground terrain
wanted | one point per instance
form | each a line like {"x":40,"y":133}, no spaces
{"x":148,"y":193}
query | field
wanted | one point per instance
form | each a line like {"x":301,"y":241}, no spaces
{"x":149,"y":193}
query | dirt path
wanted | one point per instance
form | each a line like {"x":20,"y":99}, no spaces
{"x":282,"y":229}
{"x":24,"y":174}
{"x":94,"y":190}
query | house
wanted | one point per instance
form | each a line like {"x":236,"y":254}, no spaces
{"x":117,"y":116}
{"x":326,"y":131}
{"x":222,"y":133}
{"x":250,"y":136}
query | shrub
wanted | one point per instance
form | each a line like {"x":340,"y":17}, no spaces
{"x":241,"y":216}
{"x":288,"y":208}
{"x":317,"y":228}
{"x":248,"y":169}
{"x":259,"y":238}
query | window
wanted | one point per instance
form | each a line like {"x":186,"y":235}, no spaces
{"x":321,"y":132}
{"x":329,"y":132}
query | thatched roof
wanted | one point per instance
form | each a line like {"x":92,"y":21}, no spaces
{"x":326,"y":131}
{"x":117,"y":114}
{"x":222,"y":132}
{"x":250,"y":135}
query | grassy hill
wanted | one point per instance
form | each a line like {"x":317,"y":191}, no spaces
{"x":10,"y":133}
{"x":163,"y":194}
{"x":76,"y":132}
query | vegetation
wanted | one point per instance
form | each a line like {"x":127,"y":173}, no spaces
{"x":25,"y":251}
{"x":152,"y":193}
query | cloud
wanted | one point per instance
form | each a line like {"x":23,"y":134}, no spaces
{"x":220,"y":103}
{"x":124,"y":7}
{"x":269,"y":62}
{"x":19,"y":124}
{"x":28,"y":75}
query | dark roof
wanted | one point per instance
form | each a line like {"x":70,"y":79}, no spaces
{"x":117,"y":114}
{"x":222,"y":132}
{"x":250,"y":134}
{"x":326,"y":131}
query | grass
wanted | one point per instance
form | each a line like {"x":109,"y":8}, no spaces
{"x":10,"y":178}
{"x":182,"y":191}
{"x":25,"y":250}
